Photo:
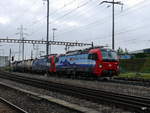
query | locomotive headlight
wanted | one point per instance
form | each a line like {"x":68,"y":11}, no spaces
{"x":117,"y":67}
{"x":100,"y":66}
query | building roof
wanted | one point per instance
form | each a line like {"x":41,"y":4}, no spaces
{"x":147,"y":50}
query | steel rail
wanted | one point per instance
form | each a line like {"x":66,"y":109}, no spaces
{"x":12,"y":106}
{"x":138,"y":104}
{"x":53,"y":100}
{"x":129,"y":82}
{"x":134,"y":81}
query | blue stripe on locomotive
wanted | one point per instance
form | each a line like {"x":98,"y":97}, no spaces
{"x":40,"y":65}
{"x":75,"y":61}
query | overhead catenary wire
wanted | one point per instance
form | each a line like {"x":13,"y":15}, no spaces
{"x":102,"y":21}
{"x":106,"y":38}
{"x":53,"y":13}
{"x":123,"y":32}
{"x":65,"y":5}
{"x":76,"y":9}
{"x":76,"y":16}
{"x":66,"y":14}
{"x":135,"y":9}
{"x":24,"y":12}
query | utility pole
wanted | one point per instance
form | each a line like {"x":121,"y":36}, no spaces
{"x":113,"y":18}
{"x":48,"y":28}
{"x":37,"y":50}
{"x":92,"y":44}
{"x":54,"y":29}
{"x":21,"y":33}
{"x":31,"y":54}
{"x":113,"y":25}
{"x":47,"y":37}
{"x":10,"y":57}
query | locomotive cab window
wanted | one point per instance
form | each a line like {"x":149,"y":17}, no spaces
{"x":109,"y":55}
{"x":93,"y":56}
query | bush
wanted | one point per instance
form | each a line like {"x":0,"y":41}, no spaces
{"x":135,"y":65}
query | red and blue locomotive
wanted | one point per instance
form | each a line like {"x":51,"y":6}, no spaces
{"x":97,"y":61}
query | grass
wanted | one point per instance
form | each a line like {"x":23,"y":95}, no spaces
{"x":7,"y":68}
{"x":135,"y":75}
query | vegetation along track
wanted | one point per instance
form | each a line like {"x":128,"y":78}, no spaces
{"x":137,"y":104}
{"x":12,"y":106}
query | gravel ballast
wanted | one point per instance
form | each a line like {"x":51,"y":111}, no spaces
{"x":84,"y":103}
{"x":5,"y":109}
{"x":30,"y":104}
{"x":106,"y":86}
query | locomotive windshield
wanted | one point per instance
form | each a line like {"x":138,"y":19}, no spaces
{"x":109,"y":55}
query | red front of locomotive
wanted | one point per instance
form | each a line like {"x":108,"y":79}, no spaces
{"x":52,"y":68}
{"x":107,"y":63}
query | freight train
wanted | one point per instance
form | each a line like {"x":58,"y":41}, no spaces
{"x":95,"y":61}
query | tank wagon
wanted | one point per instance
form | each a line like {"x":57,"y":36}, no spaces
{"x":96,"y":62}
{"x":22,"y":66}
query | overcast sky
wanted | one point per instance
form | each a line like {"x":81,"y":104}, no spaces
{"x":75,"y":20}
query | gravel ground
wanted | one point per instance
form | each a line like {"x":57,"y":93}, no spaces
{"x":113,"y":87}
{"x":31,"y":105}
{"x":5,"y":109}
{"x":81,"y":102}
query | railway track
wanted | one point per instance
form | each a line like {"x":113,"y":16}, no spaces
{"x":133,"y":81}
{"x":137,"y":104}
{"x":12,"y":106}
{"x":120,"y":80}
{"x":54,"y":103}
{"x":144,"y":83}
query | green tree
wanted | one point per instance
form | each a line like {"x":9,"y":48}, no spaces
{"x":126,"y":51}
